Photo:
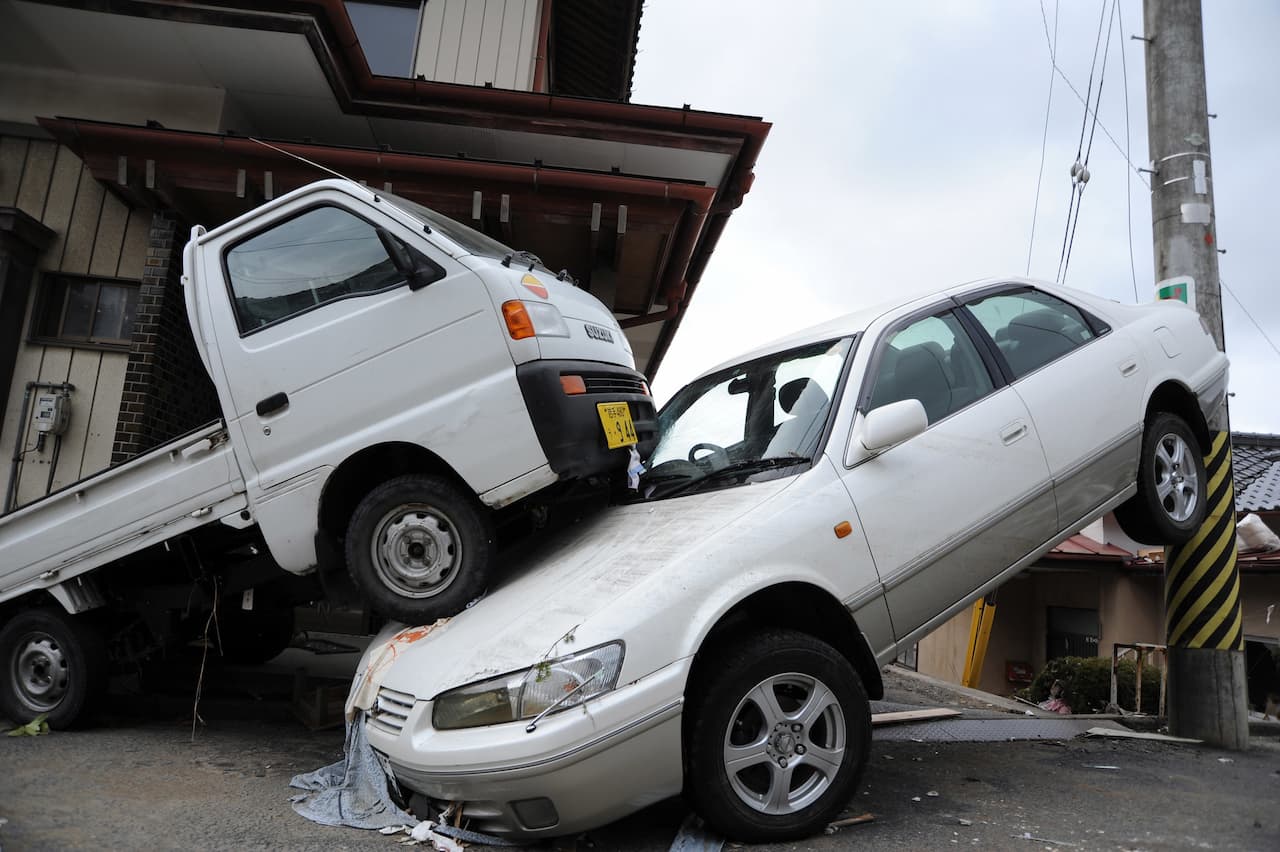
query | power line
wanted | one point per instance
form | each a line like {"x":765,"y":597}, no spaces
{"x":1128,"y":184}
{"x":1044,"y":139}
{"x":1270,"y":342}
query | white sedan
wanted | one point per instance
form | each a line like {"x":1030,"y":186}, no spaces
{"x":810,"y":509}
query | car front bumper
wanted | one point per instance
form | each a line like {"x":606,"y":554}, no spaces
{"x":579,"y":769}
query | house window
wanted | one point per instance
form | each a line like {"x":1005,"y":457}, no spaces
{"x":1073,"y":632}
{"x":90,"y":311}
{"x":387,"y":32}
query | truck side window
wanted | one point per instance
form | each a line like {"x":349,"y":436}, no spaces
{"x":1031,"y":328}
{"x":316,"y":257}
{"x":932,"y":360}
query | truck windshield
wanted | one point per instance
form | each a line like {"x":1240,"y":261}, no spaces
{"x":760,"y":419}
{"x":468,"y":239}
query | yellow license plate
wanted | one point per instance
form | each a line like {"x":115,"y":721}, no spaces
{"x":619,"y":430}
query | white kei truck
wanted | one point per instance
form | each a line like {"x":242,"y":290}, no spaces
{"x":392,"y":384}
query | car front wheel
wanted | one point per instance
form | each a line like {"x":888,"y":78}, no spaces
{"x":780,"y":732}
{"x":419,"y":549}
{"x":1171,"y":501}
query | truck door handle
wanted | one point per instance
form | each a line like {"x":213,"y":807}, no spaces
{"x":272,"y":404}
{"x":1013,"y":432}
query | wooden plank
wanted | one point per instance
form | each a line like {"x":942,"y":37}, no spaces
{"x":469,"y":45}
{"x":490,"y":42}
{"x":33,"y":483}
{"x":13,"y":157}
{"x":34,"y":188}
{"x":509,"y":46}
{"x":105,"y":413}
{"x":62,"y":199}
{"x":450,"y":36}
{"x":83,"y":227}
{"x":1127,"y":734}
{"x":106,"y":246}
{"x":429,"y":39}
{"x":85,"y":365}
{"x":528,"y":45}
{"x":133,"y":253}
{"x":26,"y":368}
{"x":900,"y":716}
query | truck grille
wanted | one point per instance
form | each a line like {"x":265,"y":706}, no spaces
{"x":391,"y":710}
{"x":612,"y":384}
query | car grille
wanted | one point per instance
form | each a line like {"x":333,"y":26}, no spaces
{"x":612,"y":384}
{"x":392,"y":710}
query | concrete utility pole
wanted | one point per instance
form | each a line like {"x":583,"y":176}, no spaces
{"x":1205,"y":631}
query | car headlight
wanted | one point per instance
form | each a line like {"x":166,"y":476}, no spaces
{"x":546,"y":687}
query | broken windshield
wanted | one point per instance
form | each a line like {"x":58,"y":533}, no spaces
{"x":763,"y":418}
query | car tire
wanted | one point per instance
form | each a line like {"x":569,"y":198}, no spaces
{"x":1172,"y":487}
{"x":419,"y":549}
{"x":779,"y":735}
{"x":53,"y":664}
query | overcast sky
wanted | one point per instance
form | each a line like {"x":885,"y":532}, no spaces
{"x":905,"y":150}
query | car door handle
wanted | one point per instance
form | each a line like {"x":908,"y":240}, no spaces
{"x":1012,"y":432}
{"x":272,"y":404}
{"x":1128,"y":368}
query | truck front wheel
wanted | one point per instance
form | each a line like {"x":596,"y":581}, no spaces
{"x":419,"y":549}
{"x":54,"y":664}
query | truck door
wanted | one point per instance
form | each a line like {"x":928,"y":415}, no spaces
{"x":949,"y":509}
{"x":326,"y":349}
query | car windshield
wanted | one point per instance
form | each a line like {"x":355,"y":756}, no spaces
{"x":468,"y":239}
{"x":760,"y":419}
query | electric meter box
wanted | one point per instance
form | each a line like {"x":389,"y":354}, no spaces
{"x":52,"y":413}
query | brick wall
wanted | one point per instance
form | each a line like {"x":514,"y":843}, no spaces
{"x":166,"y":389}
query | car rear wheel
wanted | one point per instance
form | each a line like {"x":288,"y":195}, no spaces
{"x":419,"y":549}
{"x":1170,"y":504}
{"x":780,"y":733}
{"x":54,"y":664}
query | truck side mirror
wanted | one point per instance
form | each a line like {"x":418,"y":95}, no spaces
{"x":893,"y":423}
{"x":417,"y":270}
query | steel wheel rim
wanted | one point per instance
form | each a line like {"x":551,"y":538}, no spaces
{"x":1177,"y":482}
{"x":784,"y":744}
{"x":416,"y":550}
{"x":39,"y":673}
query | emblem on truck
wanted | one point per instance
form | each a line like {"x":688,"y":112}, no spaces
{"x":595,"y":332}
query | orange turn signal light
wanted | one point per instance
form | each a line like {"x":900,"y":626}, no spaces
{"x":843,"y":529}
{"x":519,"y":325}
{"x":573,"y":385}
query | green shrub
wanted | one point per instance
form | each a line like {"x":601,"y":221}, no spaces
{"x":1086,"y":684}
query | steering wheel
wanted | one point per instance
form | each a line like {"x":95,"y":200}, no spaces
{"x":718,"y":457}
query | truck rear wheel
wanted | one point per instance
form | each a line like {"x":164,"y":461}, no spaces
{"x":54,"y":664}
{"x":419,"y":549}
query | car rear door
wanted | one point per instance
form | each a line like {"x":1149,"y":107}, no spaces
{"x":1082,"y":382}
{"x":948,"y":510}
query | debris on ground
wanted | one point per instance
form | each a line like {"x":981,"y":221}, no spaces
{"x":356,"y":791}
{"x":694,"y":836}
{"x":35,"y":728}
{"x":845,"y":822}
{"x":1126,"y":734}
{"x":899,"y":716}
{"x":1026,"y":835}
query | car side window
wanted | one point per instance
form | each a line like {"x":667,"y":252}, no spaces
{"x":1031,"y":328}
{"x":933,"y":360}
{"x":320,"y":256}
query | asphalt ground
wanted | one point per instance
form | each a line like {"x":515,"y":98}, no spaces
{"x":140,"y":780}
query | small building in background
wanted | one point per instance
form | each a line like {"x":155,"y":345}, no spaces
{"x":124,"y":124}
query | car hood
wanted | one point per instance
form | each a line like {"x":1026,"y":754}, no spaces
{"x":553,"y":589}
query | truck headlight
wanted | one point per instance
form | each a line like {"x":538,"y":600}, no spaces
{"x":546,"y":687}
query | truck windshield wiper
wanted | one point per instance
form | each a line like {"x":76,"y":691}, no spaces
{"x":523,"y":256}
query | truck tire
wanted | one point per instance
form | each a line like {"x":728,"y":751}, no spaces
{"x":254,"y":636}
{"x":54,"y":664}
{"x":780,"y":733}
{"x":419,"y":549}
{"x":1172,"y":487}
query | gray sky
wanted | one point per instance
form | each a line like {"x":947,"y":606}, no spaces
{"x":905,"y":150}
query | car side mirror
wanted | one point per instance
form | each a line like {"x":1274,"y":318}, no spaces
{"x":893,"y":423}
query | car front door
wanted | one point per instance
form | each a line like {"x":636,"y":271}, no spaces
{"x":949,"y":509}
{"x":1083,"y":384}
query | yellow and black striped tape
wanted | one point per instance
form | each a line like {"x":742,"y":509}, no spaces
{"x":1201,"y":579}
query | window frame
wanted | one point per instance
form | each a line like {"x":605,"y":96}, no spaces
{"x":439,"y":271}
{"x":937,"y":309}
{"x":1096,"y":325}
{"x":49,"y":282}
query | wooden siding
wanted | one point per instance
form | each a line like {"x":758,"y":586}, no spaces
{"x":97,"y":234}
{"x":478,"y":41}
